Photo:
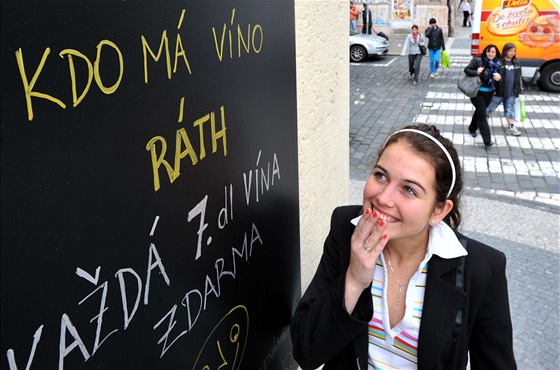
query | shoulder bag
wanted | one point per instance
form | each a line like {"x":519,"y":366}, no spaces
{"x":422,"y":47}
{"x":469,"y":85}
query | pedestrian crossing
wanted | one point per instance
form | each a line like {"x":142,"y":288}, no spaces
{"x":448,"y":109}
{"x":525,"y":167}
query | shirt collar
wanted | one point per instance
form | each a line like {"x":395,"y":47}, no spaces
{"x":443,"y":241}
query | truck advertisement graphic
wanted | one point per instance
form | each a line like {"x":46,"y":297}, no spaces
{"x":532,"y":25}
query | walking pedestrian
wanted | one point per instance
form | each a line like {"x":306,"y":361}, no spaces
{"x":466,"y":6}
{"x":412,"y":44}
{"x":487,"y":67}
{"x":397,"y":285}
{"x":508,"y":88}
{"x":436,"y":44}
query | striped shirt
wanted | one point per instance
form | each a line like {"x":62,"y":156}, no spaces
{"x":397,"y":348}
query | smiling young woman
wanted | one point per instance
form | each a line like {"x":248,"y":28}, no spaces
{"x":397,"y":285}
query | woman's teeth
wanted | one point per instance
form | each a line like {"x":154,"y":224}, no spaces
{"x":386,"y":218}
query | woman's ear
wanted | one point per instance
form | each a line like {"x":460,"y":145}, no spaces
{"x":441,"y":211}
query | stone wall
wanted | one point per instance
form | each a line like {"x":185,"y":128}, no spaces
{"x":421,"y":13}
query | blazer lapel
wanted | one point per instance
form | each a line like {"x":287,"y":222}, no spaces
{"x":442,"y":302}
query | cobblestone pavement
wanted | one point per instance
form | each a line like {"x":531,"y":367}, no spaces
{"x":512,"y":191}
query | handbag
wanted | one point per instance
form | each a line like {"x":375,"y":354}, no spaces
{"x":469,"y":85}
{"x":423,"y":49}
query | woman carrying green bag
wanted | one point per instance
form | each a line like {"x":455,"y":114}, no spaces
{"x":509,"y":88}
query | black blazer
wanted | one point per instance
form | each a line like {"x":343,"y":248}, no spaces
{"x":324,"y":333}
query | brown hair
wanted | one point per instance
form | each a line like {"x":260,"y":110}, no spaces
{"x":507,"y":47}
{"x":431,"y":152}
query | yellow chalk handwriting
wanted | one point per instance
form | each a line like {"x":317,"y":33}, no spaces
{"x":28,"y":86}
{"x":182,"y":139}
{"x":252,"y":41}
{"x":108,"y":90}
{"x":146,"y":48}
{"x":231,"y":350}
{"x":74,"y":53}
{"x":164,"y":46}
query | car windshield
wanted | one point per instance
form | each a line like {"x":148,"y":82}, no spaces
{"x":352,"y":33}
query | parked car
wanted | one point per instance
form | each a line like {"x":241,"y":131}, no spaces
{"x":363,"y":46}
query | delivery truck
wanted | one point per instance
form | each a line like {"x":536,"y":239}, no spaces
{"x":532,"y":25}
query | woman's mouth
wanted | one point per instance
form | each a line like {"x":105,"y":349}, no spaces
{"x":385,"y":217}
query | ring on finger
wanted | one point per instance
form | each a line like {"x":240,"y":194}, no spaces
{"x":367,"y":248}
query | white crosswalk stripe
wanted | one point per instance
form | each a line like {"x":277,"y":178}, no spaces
{"x":457,"y":109}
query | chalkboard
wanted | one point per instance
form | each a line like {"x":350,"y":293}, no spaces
{"x":149,"y":184}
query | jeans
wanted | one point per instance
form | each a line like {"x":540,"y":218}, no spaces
{"x":509,"y":105}
{"x":353,"y":26}
{"x":479,"y":120}
{"x":434,"y":59}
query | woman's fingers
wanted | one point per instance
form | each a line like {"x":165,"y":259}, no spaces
{"x":369,"y":230}
{"x":368,"y":241}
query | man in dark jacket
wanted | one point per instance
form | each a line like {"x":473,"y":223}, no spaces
{"x":436,"y":44}
{"x":367,"y":21}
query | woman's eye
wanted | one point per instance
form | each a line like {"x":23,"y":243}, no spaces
{"x":409,"y":190}
{"x":379,"y":175}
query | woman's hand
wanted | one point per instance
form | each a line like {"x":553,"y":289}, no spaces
{"x":496,"y":76}
{"x":367,"y":243}
{"x":479,"y":70}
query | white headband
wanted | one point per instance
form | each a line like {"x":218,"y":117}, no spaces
{"x":453,"y":174}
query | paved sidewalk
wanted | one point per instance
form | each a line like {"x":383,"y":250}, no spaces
{"x":512,"y":191}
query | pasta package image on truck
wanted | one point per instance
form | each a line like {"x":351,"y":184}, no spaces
{"x":532,"y":25}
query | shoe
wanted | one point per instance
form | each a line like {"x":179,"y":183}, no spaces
{"x":513,"y":131}
{"x":432,"y":75}
{"x":473,"y":134}
{"x":410,"y":77}
{"x":437,"y":72}
{"x":490,"y":144}
{"x":414,"y":82}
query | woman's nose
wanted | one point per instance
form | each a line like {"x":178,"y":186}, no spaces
{"x":387,"y":196}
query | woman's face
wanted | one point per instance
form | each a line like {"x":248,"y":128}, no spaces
{"x":510,"y":54}
{"x":491,"y":53}
{"x":402,"y":189}
{"x":414,"y":31}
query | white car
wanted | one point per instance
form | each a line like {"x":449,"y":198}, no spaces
{"x":363,"y":46}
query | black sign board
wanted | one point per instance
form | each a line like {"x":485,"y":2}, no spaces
{"x":149,"y":184}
